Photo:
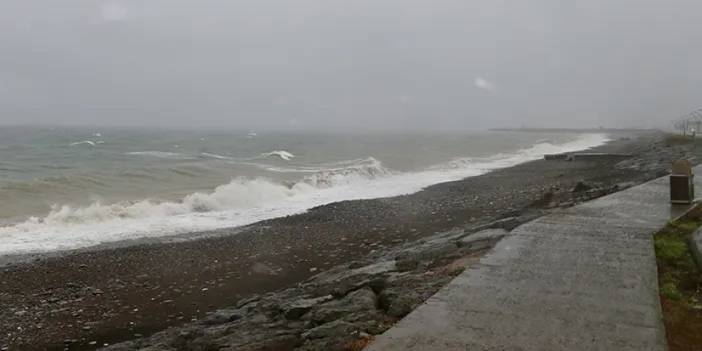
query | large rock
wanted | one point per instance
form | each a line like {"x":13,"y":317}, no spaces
{"x":425,"y":253}
{"x":581,"y":187}
{"x":326,"y":330}
{"x":223,"y":316}
{"x":298,"y":308}
{"x":398,"y":302}
{"x":507,"y":223}
{"x":271,"y":341}
{"x":482,"y":239}
{"x":338,"y":282}
{"x":356,"y":301}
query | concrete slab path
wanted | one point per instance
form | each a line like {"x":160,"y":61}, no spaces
{"x":581,"y":279}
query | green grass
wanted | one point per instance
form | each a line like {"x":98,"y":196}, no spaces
{"x":677,"y":270}
{"x":670,"y":291}
{"x":677,"y":139}
{"x":680,"y":283}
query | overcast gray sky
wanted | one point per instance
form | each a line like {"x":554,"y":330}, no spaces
{"x":350,"y":64}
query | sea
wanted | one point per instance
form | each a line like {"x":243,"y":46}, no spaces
{"x":69,"y":188}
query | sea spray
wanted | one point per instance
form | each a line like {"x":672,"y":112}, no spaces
{"x":245,"y":200}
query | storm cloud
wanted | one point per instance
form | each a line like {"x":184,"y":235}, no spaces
{"x":331,"y":64}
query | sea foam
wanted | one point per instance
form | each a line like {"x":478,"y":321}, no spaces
{"x":84,"y":142}
{"x":244,"y":201}
{"x":287,"y":156}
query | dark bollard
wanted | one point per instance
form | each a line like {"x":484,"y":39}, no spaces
{"x":682,"y":188}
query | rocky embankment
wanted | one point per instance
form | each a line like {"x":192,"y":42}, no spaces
{"x":342,"y":308}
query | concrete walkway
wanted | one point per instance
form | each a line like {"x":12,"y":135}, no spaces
{"x":582,"y":279}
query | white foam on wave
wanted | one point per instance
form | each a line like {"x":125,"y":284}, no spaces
{"x":282,"y":154}
{"x":287,"y":156}
{"x":321,"y":168}
{"x":245,"y":201}
{"x":84,"y":142}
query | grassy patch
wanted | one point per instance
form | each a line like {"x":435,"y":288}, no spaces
{"x":678,"y":274}
{"x":677,"y":139}
{"x":672,"y":247}
{"x":670,"y":290}
{"x":680,"y":284}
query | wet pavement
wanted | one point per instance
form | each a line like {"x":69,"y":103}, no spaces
{"x":584,"y":278}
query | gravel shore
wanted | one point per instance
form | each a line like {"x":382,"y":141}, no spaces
{"x":91,"y":298}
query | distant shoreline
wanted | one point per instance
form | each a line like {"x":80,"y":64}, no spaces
{"x":577,"y":130}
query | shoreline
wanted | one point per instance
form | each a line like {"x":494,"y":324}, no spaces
{"x":121,"y":293}
{"x":20,"y":258}
{"x":576,"y":130}
{"x":27,"y":258}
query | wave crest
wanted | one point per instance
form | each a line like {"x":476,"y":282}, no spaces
{"x":287,"y":156}
{"x":84,"y":142}
{"x":244,"y":200}
{"x":239,"y":193}
{"x":360,"y":170}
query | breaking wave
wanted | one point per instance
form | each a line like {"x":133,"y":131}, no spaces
{"x":280,"y":153}
{"x":246,"y":200}
{"x":84,"y":142}
{"x":359,"y":171}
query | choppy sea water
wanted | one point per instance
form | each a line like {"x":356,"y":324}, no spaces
{"x":66,"y":188}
